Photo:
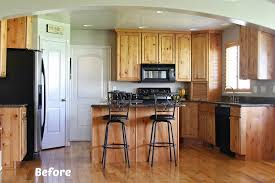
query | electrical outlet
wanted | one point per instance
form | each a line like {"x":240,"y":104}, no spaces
{"x":263,"y":89}
{"x":114,"y":88}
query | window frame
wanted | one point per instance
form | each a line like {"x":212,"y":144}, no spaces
{"x":238,"y":90}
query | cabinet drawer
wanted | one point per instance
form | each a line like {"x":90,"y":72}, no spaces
{"x":235,"y":111}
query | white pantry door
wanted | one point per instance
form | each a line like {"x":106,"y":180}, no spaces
{"x":54,"y":61}
{"x":89,"y":86}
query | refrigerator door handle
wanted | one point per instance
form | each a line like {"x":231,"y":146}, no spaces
{"x":44,"y":107}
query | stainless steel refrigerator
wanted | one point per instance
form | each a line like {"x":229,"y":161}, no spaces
{"x":25,"y":84}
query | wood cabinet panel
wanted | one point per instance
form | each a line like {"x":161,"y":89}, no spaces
{"x":266,"y":57}
{"x":128,"y":56}
{"x":3,"y":48}
{"x":150,"y":48}
{"x":200,"y":57}
{"x":20,"y":32}
{"x":183,"y":57}
{"x":167,"y":48}
{"x":199,"y":90}
{"x":189,"y":126}
{"x":14,"y":136}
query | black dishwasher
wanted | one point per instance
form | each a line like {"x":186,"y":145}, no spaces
{"x":222,"y":121}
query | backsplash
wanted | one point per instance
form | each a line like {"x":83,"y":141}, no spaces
{"x":131,"y":86}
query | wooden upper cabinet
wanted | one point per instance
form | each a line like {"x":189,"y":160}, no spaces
{"x":266,"y":62}
{"x":257,"y":60}
{"x":183,"y":57}
{"x":3,"y":47}
{"x":20,"y":32}
{"x":200,"y":57}
{"x":167,"y":48}
{"x":150,"y":54}
{"x":128,"y":56}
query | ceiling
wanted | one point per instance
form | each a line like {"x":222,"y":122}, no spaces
{"x":135,"y":17}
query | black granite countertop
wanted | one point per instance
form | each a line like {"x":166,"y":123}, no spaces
{"x":133,"y":104}
{"x":12,"y":105}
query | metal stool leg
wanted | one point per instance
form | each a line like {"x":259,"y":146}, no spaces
{"x":169,"y":141}
{"x":150,"y":144}
{"x":103,"y":153}
{"x":175,"y":156}
{"x":125,"y":155}
{"x":153,"y":143}
{"x":126,"y":145}
{"x":105,"y":146}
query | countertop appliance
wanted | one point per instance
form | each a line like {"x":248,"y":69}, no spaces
{"x":222,"y":123}
{"x":25,"y":84}
{"x":147,"y":94}
{"x":158,"y":73}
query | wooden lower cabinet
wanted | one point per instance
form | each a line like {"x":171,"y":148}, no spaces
{"x":189,"y":123}
{"x":13,"y":121}
{"x":138,"y":131}
{"x":207,"y":127}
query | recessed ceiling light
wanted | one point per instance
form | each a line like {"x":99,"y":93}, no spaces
{"x":231,"y":0}
{"x":142,"y":27}
{"x":159,"y":11}
{"x":193,"y":29}
{"x":87,"y":25}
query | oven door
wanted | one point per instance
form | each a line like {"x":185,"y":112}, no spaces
{"x":158,"y":73}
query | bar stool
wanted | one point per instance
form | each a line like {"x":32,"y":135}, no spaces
{"x":165,"y":106}
{"x":119,"y":104}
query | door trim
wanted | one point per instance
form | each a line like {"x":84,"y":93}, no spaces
{"x":70,"y":84}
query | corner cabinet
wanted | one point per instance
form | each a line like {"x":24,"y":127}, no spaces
{"x":20,"y":32}
{"x":128,"y":56}
{"x":3,"y":48}
{"x":256,"y":54}
{"x":150,"y":48}
{"x":13,"y":121}
{"x":183,"y":57}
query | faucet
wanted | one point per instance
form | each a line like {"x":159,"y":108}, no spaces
{"x":233,"y":91}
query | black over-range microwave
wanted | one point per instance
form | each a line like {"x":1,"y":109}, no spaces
{"x":158,"y":73}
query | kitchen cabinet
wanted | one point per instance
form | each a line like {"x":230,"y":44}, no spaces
{"x":237,"y":131}
{"x":189,"y":126}
{"x":257,"y":60}
{"x":207,"y":127}
{"x":150,"y":48}
{"x":20,"y":32}
{"x":128,"y":56}
{"x":200,"y":57}
{"x":183,"y":57}
{"x":206,"y":66}
{"x":167,"y":48}
{"x":3,"y":48}
{"x":14,"y":135}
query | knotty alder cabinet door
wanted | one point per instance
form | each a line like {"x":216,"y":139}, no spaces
{"x":183,"y":57}
{"x":189,"y":126}
{"x":3,"y":48}
{"x":200,"y":57}
{"x":167,"y":48}
{"x":128,"y":56}
{"x":20,"y":32}
{"x":257,"y":59}
{"x":150,"y":48}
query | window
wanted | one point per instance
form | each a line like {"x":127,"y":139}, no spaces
{"x":232,"y":59}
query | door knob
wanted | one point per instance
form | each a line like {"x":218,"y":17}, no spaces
{"x":63,"y":100}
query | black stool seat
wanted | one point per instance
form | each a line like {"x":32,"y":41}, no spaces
{"x":116,"y":117}
{"x":162,"y":117}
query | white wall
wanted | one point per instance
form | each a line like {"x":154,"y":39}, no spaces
{"x":260,"y":88}
{"x":108,"y":38}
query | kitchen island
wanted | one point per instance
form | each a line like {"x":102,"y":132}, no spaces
{"x":138,"y":130}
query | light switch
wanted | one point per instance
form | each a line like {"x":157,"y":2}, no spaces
{"x":255,"y":89}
